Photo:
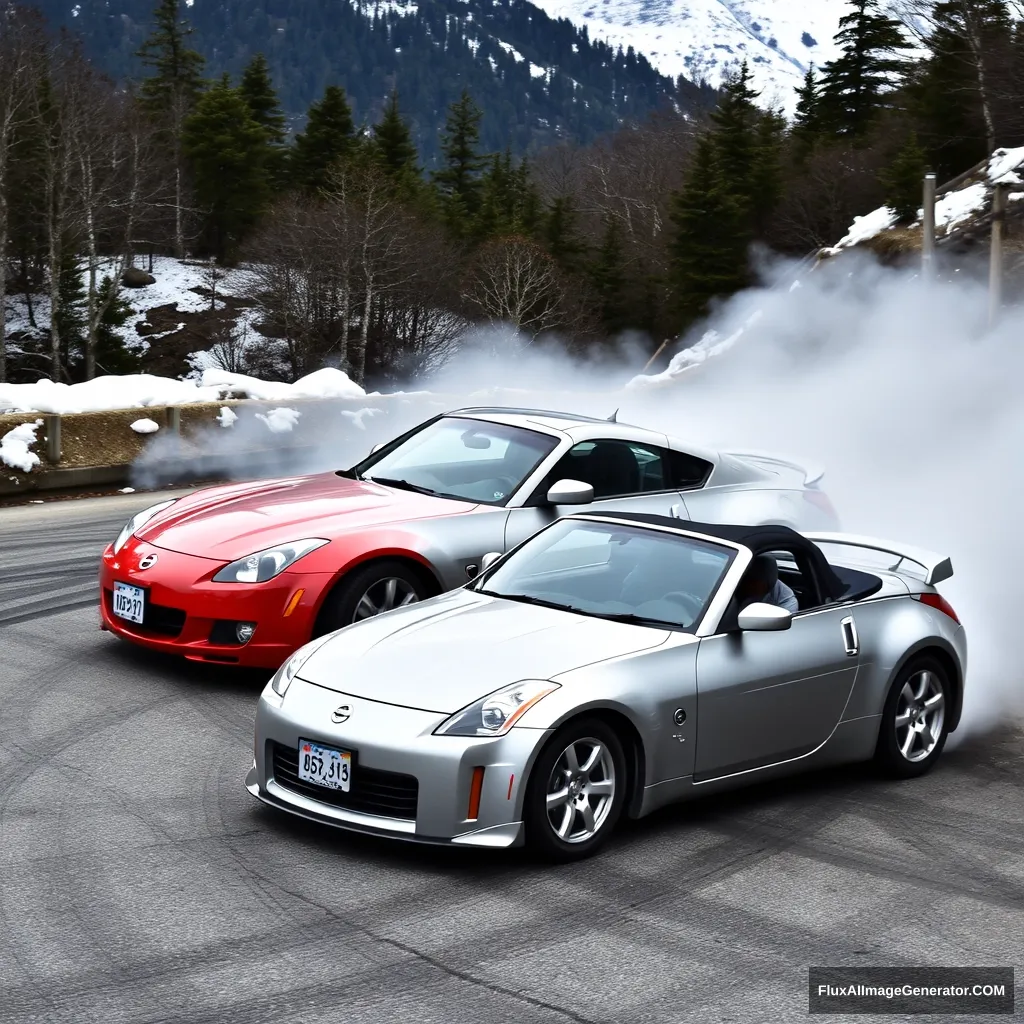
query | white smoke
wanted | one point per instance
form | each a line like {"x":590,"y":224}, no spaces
{"x":897,"y":387}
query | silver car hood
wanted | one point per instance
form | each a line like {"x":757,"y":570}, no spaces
{"x":445,"y":653}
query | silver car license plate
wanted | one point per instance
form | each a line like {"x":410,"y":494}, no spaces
{"x":325,"y":766}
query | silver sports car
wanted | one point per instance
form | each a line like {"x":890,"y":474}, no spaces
{"x":609,"y":665}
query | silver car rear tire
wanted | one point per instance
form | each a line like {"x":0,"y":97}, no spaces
{"x":915,"y":720}
{"x":576,"y":791}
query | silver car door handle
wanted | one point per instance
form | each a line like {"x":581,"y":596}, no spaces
{"x":850,"y":637}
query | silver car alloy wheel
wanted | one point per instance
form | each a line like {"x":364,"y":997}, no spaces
{"x":384,"y":595}
{"x":581,"y":790}
{"x":920,"y":714}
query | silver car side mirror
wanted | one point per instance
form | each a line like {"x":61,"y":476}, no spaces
{"x":764,"y":618}
{"x":489,"y":559}
{"x":571,"y":492}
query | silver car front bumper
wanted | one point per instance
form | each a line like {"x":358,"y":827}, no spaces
{"x":385,"y":738}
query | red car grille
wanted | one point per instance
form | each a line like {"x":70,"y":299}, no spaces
{"x":373,"y":791}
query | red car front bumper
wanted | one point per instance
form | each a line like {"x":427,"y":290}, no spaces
{"x":189,"y":615}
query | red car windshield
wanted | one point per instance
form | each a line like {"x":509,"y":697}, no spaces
{"x":468,"y":459}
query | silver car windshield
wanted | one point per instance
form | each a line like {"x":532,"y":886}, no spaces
{"x":469,"y":459}
{"x":612,"y":571}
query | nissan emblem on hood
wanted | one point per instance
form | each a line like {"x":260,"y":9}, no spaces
{"x":342,"y":714}
{"x":148,"y":561}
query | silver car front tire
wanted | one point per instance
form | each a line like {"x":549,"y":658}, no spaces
{"x":576,"y":791}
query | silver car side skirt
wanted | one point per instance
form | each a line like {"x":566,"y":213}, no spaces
{"x":851,"y":742}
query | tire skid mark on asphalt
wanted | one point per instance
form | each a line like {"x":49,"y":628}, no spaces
{"x":71,"y":599}
{"x":348,"y":924}
{"x":933,"y":846}
{"x":869,"y":863}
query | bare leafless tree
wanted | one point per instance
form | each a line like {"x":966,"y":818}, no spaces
{"x":21,"y":40}
{"x":515,"y":282}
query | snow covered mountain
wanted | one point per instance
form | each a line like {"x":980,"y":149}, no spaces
{"x":707,"y":39}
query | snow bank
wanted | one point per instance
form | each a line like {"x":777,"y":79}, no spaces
{"x":14,"y":447}
{"x":141,"y":390}
{"x":280,"y":421}
{"x":326,"y":383}
{"x":145,"y":427}
{"x":137,"y":390}
{"x":868,"y":226}
{"x":227,"y":416}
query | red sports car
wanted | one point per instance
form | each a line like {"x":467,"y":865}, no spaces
{"x":247,"y":573}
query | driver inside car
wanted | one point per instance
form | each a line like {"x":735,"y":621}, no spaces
{"x":761,"y":585}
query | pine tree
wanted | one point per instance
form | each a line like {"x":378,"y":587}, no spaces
{"x":112,"y":355}
{"x":903,"y":180}
{"x":177,"y":79}
{"x":257,"y":90}
{"x":71,"y":318}
{"x":393,"y":142}
{"x":854,"y":86}
{"x":561,"y":234}
{"x":609,"y":278}
{"x":509,"y":203}
{"x":807,"y":118}
{"x":227,"y":150}
{"x":170,"y":94}
{"x":459,"y":178}
{"x":709,"y":248}
{"x":329,"y":136}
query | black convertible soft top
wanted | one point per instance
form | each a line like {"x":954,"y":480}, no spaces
{"x":759,"y":539}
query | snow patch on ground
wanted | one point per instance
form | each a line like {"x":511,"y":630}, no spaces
{"x":174,"y":284}
{"x":280,"y":421}
{"x":142,"y":390}
{"x":326,"y":383}
{"x":955,"y":207}
{"x":145,"y":426}
{"x":15,"y":444}
{"x":710,"y":345}
{"x":227,"y":416}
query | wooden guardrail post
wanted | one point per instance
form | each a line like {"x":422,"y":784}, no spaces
{"x":51,"y":424}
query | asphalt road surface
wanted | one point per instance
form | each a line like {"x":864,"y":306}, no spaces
{"x":140,"y":882}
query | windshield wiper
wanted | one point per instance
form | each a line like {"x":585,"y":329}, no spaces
{"x":635,"y":620}
{"x":628,"y":618}
{"x":530,"y":599}
{"x":404,"y":485}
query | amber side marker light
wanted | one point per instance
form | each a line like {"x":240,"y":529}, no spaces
{"x":293,"y":603}
{"x":475,"y":787}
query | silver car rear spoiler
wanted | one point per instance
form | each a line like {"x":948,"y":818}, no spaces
{"x":937,"y":567}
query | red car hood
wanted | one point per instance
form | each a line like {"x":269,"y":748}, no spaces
{"x":231,"y":522}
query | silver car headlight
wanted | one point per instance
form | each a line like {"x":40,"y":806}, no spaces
{"x":138,"y":521}
{"x":496,"y":713}
{"x":265,"y":565}
{"x":290,"y":669}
